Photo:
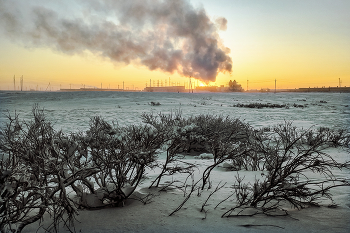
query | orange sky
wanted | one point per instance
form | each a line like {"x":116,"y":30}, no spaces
{"x":300,"y":44}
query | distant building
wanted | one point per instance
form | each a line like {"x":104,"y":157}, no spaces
{"x":207,"y":89}
{"x":165,"y":89}
{"x":264,"y":90}
{"x":92,"y":89}
{"x":324,"y":89}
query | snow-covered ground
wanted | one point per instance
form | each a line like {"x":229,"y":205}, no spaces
{"x":72,"y":111}
{"x":154,"y":216}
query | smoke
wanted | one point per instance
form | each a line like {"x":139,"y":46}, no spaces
{"x":167,"y":35}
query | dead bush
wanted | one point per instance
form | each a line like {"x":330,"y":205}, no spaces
{"x":289,"y":157}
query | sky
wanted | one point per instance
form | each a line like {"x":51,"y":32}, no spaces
{"x":77,"y":43}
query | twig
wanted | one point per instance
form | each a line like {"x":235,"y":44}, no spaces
{"x":193,"y":188}
{"x":218,"y":187}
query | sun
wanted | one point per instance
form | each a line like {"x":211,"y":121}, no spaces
{"x":202,"y":84}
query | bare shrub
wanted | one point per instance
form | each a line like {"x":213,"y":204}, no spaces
{"x":227,"y":139}
{"x":176,"y":132}
{"x":289,"y":156}
{"x":260,"y":105}
{"x":33,"y":174}
{"x":42,"y":171}
{"x":121,"y":155}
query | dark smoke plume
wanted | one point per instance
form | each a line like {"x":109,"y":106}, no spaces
{"x":167,"y":35}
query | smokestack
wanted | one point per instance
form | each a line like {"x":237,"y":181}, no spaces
{"x":167,"y":35}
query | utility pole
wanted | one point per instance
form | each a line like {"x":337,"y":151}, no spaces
{"x":339,"y":83}
{"x":275,"y":85}
{"x":21,"y":82}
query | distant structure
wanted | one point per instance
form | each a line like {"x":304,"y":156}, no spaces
{"x":324,"y":89}
{"x":165,"y":89}
{"x":92,"y":89}
{"x":210,"y":89}
{"x":233,"y":86}
{"x":306,"y":89}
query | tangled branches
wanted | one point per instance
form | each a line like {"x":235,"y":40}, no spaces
{"x":44,"y":171}
{"x":288,"y":155}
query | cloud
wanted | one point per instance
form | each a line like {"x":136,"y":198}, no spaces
{"x":167,"y":35}
{"x":221,"y":23}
